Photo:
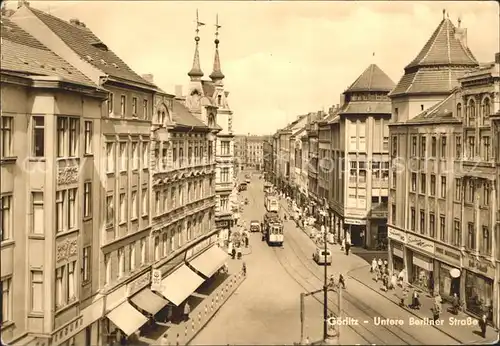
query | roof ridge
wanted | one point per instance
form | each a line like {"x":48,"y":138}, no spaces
{"x":448,"y":43}
{"x":372,"y":71}
{"x":433,"y":38}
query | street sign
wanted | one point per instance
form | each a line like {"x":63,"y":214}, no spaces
{"x":156,"y":280}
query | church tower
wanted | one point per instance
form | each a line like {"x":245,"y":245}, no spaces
{"x":195,"y":88}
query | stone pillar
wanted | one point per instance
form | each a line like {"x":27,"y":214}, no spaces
{"x":494,"y":228}
{"x":389,"y":256}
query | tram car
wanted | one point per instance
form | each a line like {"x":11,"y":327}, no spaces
{"x":272,"y":232}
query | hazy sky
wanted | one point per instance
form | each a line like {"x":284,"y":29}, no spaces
{"x":281,"y":59}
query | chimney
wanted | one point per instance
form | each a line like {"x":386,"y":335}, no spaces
{"x":497,"y":58}
{"x":461,"y":35}
{"x":178,"y":91}
{"x":77,"y":22}
{"x":148,"y":77}
{"x":342,"y":99}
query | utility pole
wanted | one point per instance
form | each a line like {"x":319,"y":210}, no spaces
{"x":303,"y":312}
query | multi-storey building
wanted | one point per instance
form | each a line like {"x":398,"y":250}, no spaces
{"x":360,"y":150}
{"x":209,"y":100}
{"x":50,"y":186}
{"x":443,"y":211}
{"x":254,"y":151}
{"x":145,"y":162}
{"x":267,"y":153}
{"x":240,"y":151}
{"x":300,"y":189}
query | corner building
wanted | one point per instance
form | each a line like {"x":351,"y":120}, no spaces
{"x":443,"y":184}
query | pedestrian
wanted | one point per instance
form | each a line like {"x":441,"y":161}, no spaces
{"x":436,"y":310}
{"x":374,"y":266}
{"x":342,"y":247}
{"x":483,"y":322}
{"x":341,"y":281}
{"x":347,"y":248}
{"x":244,"y":269}
{"x":415,"y":304}
{"x":307,"y":342}
{"x":379,"y":262}
{"x":455,"y":304}
{"x":404,"y":295}
{"x":394,"y":281}
{"x":187,"y":311}
{"x":377,"y":274}
{"x":164,"y":339}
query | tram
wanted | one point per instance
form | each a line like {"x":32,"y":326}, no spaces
{"x":272,"y":232}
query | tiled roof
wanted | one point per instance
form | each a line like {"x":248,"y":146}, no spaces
{"x":429,"y":80}
{"x":439,"y":113}
{"x":20,"y":52}
{"x":372,"y":79}
{"x":367,"y":107}
{"x":444,"y":48}
{"x":183,"y":117}
{"x":90,"y":48}
{"x":335,"y":119}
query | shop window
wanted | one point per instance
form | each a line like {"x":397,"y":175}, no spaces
{"x":471,"y":236}
{"x":448,"y":286}
{"x":479,"y":295}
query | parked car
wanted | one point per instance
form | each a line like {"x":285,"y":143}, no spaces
{"x":254,"y":226}
{"x":319,"y":256}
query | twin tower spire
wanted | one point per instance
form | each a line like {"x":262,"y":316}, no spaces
{"x":196,"y":73}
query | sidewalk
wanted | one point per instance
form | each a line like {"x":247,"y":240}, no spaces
{"x":468,"y":333}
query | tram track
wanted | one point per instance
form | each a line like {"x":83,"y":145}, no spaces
{"x":393,"y":335}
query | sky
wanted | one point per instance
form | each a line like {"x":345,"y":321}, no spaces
{"x":281,"y":59}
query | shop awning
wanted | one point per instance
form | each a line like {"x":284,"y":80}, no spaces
{"x":180,"y":284}
{"x":209,"y":261}
{"x":149,"y":301}
{"x":127,"y":318}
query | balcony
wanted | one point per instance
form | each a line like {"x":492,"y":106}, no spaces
{"x":224,"y":186}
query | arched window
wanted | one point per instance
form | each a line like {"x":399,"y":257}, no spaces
{"x":158,"y":117}
{"x":486,"y":108}
{"x":459,"y":111}
{"x":472,"y":113}
{"x":163,"y":117}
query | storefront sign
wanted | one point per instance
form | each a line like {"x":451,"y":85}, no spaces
{"x":420,"y":243}
{"x":356,"y":222}
{"x":156,"y":280}
{"x":422,"y":262}
{"x":481,"y":267}
{"x":397,"y":252}
{"x":198,"y":247}
{"x":222,"y":224}
{"x":396,"y":234}
{"x":448,"y":255}
{"x":138,"y":283}
{"x":172,"y":264}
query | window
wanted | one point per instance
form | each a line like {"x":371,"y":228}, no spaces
{"x":458,"y":189}
{"x":442,"y":227}
{"x":412,"y":219}
{"x":486,"y":148}
{"x":144,"y":202}
{"x":471,"y":236}
{"x":172,"y":240}
{"x":122,"y":105}
{"x":422,"y":222}
{"x":110,"y":162}
{"x":110,"y":215}
{"x":37,"y":291}
{"x":459,"y":111}
{"x":143,"y":251}
{"x":71,"y":282}
{"x":179,"y":236}
{"x":157,"y":203}
{"x":225,"y":147}
{"x":433,"y":185}
{"x":472,"y":113}
{"x":443,"y":147}
{"x":38,"y":215}
{"x":472,"y":147}
{"x":164,"y":239}
{"x":443,"y":187}
{"x":134,"y":106}
{"x":457,"y":233}
{"x":458,"y":147}
{"x":123,"y":156}
{"x":6,"y":285}
{"x":422,"y":147}
{"x":210,"y":151}
{"x":486,"y":243}
{"x":189,"y":230}
{"x":413,"y":182}
{"x":385,"y":143}
{"x":86,"y":265}
{"x":7,"y":132}
{"x":433,"y":146}
{"x":121,"y":262}
{"x":219,"y":100}
{"x":59,"y":287}
{"x":134,"y":205}
{"x":74,"y":131}
{"x":486,"y":194}
{"x":87,"y":199}
{"x":224,"y":203}
{"x":394,"y":147}
{"x":38,"y":136}
{"x":421,"y":107}
{"x":62,"y":126}
{"x":107,"y":268}
{"x":394,"y":180}
{"x":145,"y":109}
{"x":432,"y":225}
{"x":414,"y":146}
{"x":123,"y":208}
{"x":60,"y":203}
{"x":145,"y":155}
{"x":72,"y":208}
{"x":135,"y":155}
{"x":422,"y":183}
{"x":471,"y":191}
{"x":157,"y":248}
{"x":173,"y":198}
{"x":111,"y":97}
{"x":224,"y":175}
{"x":89,"y":133}
{"x":131,"y":257}
{"x":486,"y":109}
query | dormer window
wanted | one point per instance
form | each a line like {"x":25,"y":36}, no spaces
{"x":89,"y":58}
{"x":103,"y":62}
{"x":114,"y":65}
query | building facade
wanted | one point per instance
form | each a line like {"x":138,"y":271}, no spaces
{"x":255,"y":151}
{"x":240,"y":151}
{"x":443,"y":210}
{"x":267,"y":153}
{"x":360,"y":150}
{"x":140,"y":167}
